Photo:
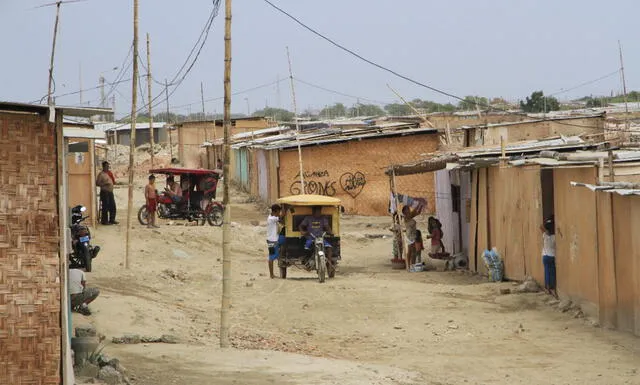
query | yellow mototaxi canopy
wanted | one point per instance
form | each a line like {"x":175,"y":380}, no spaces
{"x":309,"y":200}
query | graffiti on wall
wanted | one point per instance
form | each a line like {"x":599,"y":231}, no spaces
{"x":353,"y":183}
{"x":319,"y":182}
{"x":313,"y":184}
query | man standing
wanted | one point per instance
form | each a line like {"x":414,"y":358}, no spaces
{"x":81,"y":295}
{"x":105,"y":181}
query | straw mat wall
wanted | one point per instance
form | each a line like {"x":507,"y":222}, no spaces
{"x":30,"y":331}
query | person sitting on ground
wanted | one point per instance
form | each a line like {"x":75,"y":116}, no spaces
{"x":313,"y":226}
{"x":273,"y":236}
{"x":81,"y":295}
{"x":174,"y":190}
{"x":411,"y":228}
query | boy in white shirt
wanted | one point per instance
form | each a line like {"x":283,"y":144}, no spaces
{"x":273,"y":236}
{"x":81,"y":295}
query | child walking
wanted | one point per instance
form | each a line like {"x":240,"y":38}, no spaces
{"x":548,"y":229}
{"x":151,"y":196}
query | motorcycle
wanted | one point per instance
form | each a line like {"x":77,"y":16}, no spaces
{"x":83,"y":252}
{"x":167,"y":208}
{"x":189,"y":207}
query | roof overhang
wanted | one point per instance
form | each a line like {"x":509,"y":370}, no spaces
{"x":86,"y":133}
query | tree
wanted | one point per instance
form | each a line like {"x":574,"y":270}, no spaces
{"x":366,"y":110}
{"x":472,"y":102}
{"x":336,"y":111}
{"x":539,"y":103}
{"x":279,"y":114}
{"x":594,"y":102}
{"x":398,"y":109}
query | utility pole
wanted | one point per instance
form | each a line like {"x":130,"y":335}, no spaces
{"x":166,"y":94}
{"x":295,"y":116}
{"x":152,"y":139}
{"x":624,"y":90}
{"x":204,"y":118}
{"x":53,"y":53}
{"x":226,"y":226}
{"x":80,"y":80}
{"x":132,"y":147}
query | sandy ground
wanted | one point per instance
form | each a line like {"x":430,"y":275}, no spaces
{"x":369,"y":325}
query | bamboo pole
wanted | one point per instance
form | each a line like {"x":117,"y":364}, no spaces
{"x":226,"y":226}
{"x":403,"y":229}
{"x":149,"y":79}
{"x":624,"y":90}
{"x":295,"y":114}
{"x":53,"y":53}
{"x":204,"y":118}
{"x":422,"y":116}
{"x":132,"y":146}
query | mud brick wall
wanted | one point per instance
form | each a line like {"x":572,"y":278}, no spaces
{"x":30,"y":326}
{"x":354,"y":171}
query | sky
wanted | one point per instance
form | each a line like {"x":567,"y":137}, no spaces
{"x":493,"y":48}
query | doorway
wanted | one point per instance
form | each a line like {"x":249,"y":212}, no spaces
{"x":546,"y":181}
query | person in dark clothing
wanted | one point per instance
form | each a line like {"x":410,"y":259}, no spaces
{"x":106,"y":181}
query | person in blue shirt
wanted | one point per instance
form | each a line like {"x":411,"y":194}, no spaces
{"x":313,"y":226}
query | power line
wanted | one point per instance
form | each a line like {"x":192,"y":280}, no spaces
{"x":338,"y":92}
{"x":395,"y":73}
{"x":562,"y":91}
{"x":353,"y":53}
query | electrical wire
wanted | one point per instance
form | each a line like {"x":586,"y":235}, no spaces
{"x":562,"y":91}
{"x":393,"y":72}
{"x":338,"y":92}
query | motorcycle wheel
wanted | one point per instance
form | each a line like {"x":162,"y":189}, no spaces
{"x":86,"y":256}
{"x":215,"y":216}
{"x":283,"y":272}
{"x":322,"y":267}
{"x":143,"y":215}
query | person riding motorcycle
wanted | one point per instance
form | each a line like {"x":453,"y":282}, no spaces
{"x":314,"y":226}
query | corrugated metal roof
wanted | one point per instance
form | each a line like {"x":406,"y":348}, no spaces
{"x":127,"y":126}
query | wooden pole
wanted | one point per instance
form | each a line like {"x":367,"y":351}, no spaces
{"x":423,"y":117}
{"x":53,"y":53}
{"x":403,"y":229}
{"x":132,"y":146}
{"x":204,"y":118}
{"x":295,"y":114}
{"x":166,"y":94}
{"x":624,"y":90}
{"x":226,"y":226}
{"x":152,"y":139}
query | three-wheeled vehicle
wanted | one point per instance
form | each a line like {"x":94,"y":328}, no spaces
{"x":293,"y":248}
{"x":198,"y":197}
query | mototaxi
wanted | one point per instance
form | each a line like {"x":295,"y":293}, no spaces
{"x":292,"y":244}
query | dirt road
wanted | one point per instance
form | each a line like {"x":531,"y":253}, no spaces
{"x":369,"y":325}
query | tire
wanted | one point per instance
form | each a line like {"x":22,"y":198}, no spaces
{"x":331,"y":270}
{"x":143,"y":215}
{"x":215,"y":216}
{"x":283,"y":272}
{"x":322,"y":267}
{"x":86,"y":256}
